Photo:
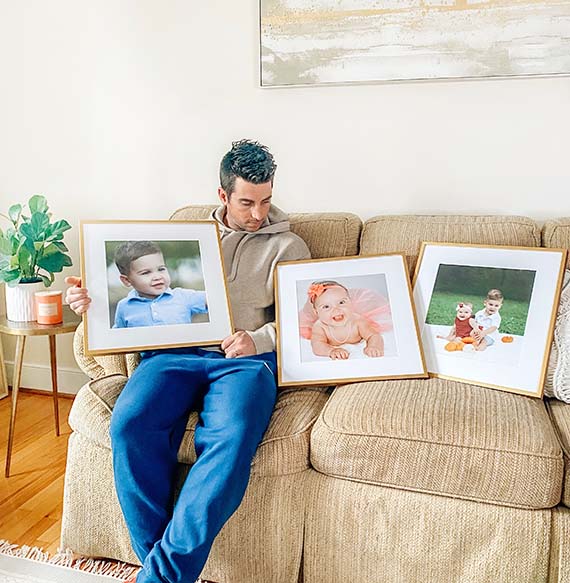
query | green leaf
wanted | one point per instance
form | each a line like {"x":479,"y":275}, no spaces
{"x":31,"y":246}
{"x":11,"y":277}
{"x":25,"y":261}
{"x":39,"y":222}
{"x":14,"y":212}
{"x":55,"y":231}
{"x":54,"y":260}
{"x":5,"y":246}
{"x":27,"y":230}
{"x":38,"y":204}
{"x":47,"y":280}
{"x":61,"y":246}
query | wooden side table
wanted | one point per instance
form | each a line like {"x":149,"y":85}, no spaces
{"x":22,"y":330}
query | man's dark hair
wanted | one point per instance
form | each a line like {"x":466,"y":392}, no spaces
{"x":248,"y":160}
{"x":130,"y":251}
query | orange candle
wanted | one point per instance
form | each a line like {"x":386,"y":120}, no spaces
{"x":49,"y":308}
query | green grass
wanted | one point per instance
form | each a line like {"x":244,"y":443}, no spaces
{"x":442,"y":311}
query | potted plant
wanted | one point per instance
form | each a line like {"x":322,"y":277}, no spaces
{"x":31,"y":251}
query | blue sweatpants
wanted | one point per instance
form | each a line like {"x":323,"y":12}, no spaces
{"x":235,"y":398}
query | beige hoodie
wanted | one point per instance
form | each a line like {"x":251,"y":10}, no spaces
{"x":250,"y":259}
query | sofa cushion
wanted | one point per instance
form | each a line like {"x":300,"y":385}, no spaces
{"x":326,"y":234}
{"x":283,"y":450}
{"x":385,"y":234}
{"x":441,"y":437}
{"x":556,"y":234}
{"x":560,"y":415}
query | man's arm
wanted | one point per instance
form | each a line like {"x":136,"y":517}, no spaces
{"x":263,"y":339}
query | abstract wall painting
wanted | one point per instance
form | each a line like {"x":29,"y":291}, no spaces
{"x":350,"y":41}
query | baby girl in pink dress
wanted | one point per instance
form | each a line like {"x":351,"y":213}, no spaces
{"x":334,"y":315}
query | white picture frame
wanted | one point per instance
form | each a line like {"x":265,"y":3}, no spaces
{"x":512,"y":356}
{"x":193,"y":311}
{"x":378,"y":290}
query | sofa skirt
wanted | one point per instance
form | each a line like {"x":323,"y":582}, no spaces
{"x":362,"y":532}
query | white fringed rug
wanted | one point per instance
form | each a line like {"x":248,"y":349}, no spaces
{"x":32,"y":565}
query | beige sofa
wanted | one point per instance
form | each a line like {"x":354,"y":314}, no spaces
{"x":375,"y":482}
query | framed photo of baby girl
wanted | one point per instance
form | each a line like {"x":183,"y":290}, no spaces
{"x":346,"y":319}
{"x":487,"y":313}
{"x":153,"y":284}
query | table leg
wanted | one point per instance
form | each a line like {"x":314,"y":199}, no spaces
{"x":21,"y":343}
{"x":53,"y":364}
{"x":3,"y":378}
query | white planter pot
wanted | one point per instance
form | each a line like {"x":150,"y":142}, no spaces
{"x":20,"y":305}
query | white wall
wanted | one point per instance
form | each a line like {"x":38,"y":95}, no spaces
{"x":123,"y":108}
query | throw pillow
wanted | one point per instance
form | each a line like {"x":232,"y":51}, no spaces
{"x":558,"y":373}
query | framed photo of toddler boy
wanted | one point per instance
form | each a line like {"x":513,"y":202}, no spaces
{"x":153,"y":284}
{"x":346,"y":319}
{"x":487,"y":313}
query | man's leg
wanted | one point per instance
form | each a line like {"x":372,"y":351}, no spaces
{"x":147,"y":426}
{"x":236,"y":410}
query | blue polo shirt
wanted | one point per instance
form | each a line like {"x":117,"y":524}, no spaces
{"x":174,"y":306}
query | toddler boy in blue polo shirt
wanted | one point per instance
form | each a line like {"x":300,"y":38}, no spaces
{"x":152,"y":302}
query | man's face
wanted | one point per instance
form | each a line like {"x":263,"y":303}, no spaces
{"x":248,"y":205}
{"x":148,"y":275}
{"x":492,"y":306}
{"x":334,"y":307}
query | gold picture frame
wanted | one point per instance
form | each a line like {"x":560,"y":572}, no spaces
{"x":380,"y":319}
{"x":486,"y":313}
{"x":188,"y":303}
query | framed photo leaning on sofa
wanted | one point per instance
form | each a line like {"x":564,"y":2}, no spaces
{"x":487,"y":313}
{"x":153,"y":284}
{"x":346,"y":319}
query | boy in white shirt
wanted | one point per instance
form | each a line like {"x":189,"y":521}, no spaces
{"x":487,"y":321}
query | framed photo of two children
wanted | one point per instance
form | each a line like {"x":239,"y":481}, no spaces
{"x":487,"y":314}
{"x":153,"y":284}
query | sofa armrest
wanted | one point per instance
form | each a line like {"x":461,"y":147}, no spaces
{"x":99,"y":366}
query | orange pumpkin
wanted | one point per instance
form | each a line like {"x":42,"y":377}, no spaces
{"x":468,"y":340}
{"x":507,"y":339}
{"x":453,"y":346}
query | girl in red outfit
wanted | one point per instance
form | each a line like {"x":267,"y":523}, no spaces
{"x":461,"y":327}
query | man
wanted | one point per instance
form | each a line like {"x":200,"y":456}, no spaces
{"x":234,"y":388}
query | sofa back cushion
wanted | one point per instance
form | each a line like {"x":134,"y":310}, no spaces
{"x":556,"y":234}
{"x":326,"y":234}
{"x":385,"y":234}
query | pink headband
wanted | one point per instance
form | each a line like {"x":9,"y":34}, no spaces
{"x":463,"y":305}
{"x":317,"y":289}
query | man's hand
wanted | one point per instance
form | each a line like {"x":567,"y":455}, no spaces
{"x":76,"y":296}
{"x":238,"y":344}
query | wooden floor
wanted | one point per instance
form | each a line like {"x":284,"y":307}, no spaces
{"x":31,"y":498}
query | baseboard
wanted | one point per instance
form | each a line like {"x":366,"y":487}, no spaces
{"x":38,"y":376}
